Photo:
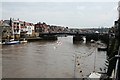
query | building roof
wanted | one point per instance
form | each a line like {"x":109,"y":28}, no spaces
{"x":4,"y":24}
{"x":6,"y":21}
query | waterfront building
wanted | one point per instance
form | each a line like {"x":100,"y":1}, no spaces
{"x":30,"y":28}
{"x":22,"y":29}
{"x":16,"y":28}
{"x":0,"y":32}
{"x":38,"y":28}
{"x":5,"y":30}
{"x":44,"y":28}
{"x":41,"y":28}
{"x":1,"y":22}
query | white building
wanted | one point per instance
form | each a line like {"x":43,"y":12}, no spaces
{"x":16,"y":27}
{"x":29,"y":28}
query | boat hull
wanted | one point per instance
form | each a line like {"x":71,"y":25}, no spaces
{"x":12,"y":42}
{"x":23,"y":41}
{"x":94,"y":75}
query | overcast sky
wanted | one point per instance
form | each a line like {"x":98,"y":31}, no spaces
{"x":71,"y":14}
{"x":59,"y":0}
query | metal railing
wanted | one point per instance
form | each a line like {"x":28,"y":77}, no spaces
{"x":117,"y":67}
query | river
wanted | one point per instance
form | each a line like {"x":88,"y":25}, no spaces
{"x":52,"y":59}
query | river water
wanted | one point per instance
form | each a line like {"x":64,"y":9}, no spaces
{"x":52,"y":59}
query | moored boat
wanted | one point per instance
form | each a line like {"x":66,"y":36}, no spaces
{"x":12,"y":42}
{"x":24,"y":41}
{"x":94,"y":75}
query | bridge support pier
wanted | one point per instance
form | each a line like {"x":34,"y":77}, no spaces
{"x":77,"y":38}
{"x":92,"y":37}
{"x":49,"y":37}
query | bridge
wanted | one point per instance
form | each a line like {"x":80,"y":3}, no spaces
{"x":76,"y":36}
{"x":68,"y":33}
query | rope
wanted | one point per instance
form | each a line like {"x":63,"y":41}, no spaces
{"x":84,"y":57}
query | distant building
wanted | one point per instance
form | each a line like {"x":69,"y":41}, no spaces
{"x":16,"y":27}
{"x":38,"y":28}
{"x":1,"y":22}
{"x":6,"y":30}
{"x":41,"y":28}
{"x":22,"y":28}
{"x":30,"y":28}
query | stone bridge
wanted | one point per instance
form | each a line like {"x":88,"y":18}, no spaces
{"x":76,"y":36}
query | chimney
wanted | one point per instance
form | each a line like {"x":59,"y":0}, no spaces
{"x":10,"y":22}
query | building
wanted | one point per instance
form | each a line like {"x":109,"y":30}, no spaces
{"x":30,"y":28}
{"x":22,"y":29}
{"x":1,"y":22}
{"x":41,"y":28}
{"x":16,"y":27}
{"x":6,"y":30}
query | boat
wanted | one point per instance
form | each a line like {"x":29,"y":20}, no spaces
{"x":11,"y":42}
{"x":94,"y":75}
{"x":24,"y":41}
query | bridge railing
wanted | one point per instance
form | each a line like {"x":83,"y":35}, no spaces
{"x":117,"y":67}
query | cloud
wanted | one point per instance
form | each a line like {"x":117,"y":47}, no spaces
{"x":64,"y":13}
{"x":81,"y":7}
{"x":60,"y":0}
{"x":0,"y":11}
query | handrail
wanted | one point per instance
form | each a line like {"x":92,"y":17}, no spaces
{"x":116,"y":74}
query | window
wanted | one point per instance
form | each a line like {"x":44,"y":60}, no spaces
{"x":17,"y":23}
{"x":17,"y":30}
{"x":14,"y":30}
{"x":21,"y":24}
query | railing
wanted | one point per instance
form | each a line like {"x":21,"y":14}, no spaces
{"x":117,"y":67}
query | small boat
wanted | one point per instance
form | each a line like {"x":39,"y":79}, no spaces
{"x":24,"y":41}
{"x":94,"y":75}
{"x":11,"y":42}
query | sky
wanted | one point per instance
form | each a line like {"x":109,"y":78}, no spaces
{"x":72,"y":14}
{"x":59,"y":0}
